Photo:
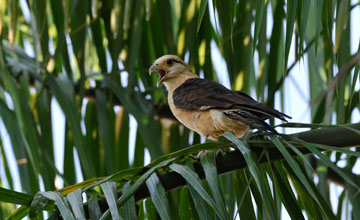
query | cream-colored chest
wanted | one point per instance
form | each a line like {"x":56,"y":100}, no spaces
{"x":199,"y":121}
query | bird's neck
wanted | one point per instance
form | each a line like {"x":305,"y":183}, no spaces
{"x":172,"y":83}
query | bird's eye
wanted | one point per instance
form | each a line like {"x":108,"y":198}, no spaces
{"x":169,"y":62}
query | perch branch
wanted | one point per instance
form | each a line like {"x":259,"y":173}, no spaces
{"x":232,"y":161}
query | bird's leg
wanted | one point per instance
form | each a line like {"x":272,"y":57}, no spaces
{"x":201,"y":153}
{"x":218,"y":153}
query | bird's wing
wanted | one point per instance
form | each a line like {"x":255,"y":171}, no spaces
{"x":203,"y":94}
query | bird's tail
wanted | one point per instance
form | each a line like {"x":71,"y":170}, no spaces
{"x":254,"y":121}
{"x":265,"y":112}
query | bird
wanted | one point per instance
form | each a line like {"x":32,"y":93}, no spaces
{"x":207,"y":107}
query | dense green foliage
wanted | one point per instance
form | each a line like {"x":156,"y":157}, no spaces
{"x":91,"y":57}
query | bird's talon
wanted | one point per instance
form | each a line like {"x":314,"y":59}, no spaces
{"x":199,"y":155}
{"x":202,"y":153}
{"x":194,"y":157}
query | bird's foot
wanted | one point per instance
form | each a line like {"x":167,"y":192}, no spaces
{"x":218,"y":153}
{"x":199,"y":155}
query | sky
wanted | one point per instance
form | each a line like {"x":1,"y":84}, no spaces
{"x":296,"y":104}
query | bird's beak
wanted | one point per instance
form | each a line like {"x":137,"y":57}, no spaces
{"x":161,"y":72}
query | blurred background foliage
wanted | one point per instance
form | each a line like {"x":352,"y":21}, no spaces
{"x":89,"y":60}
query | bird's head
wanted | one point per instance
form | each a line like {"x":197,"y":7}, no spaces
{"x":168,"y":67}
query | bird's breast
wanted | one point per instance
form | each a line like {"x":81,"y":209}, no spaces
{"x":199,"y":121}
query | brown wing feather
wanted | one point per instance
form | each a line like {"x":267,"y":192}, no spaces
{"x":198,"y":93}
{"x":203,"y":94}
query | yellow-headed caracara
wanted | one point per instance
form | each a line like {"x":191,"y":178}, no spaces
{"x":207,"y":107}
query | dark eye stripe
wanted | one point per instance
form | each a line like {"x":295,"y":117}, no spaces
{"x":176,"y":61}
{"x":170,"y":61}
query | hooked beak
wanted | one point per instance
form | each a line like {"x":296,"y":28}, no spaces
{"x":161,"y":72}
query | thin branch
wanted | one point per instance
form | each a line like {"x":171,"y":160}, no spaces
{"x":329,"y":91}
{"x":297,"y":59}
